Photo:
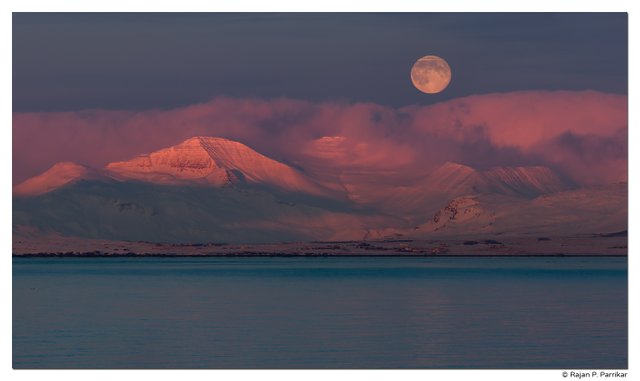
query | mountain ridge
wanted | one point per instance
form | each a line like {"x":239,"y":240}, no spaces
{"x":200,"y":160}
{"x":58,"y":175}
{"x":528,"y":181}
{"x":214,"y":187}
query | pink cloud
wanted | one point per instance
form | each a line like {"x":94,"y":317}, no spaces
{"x":533,"y":124}
{"x":579,"y":133}
{"x":523,"y":119}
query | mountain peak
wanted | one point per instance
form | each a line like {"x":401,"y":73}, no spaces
{"x":187,"y":160}
{"x":451,"y":165}
{"x":213,"y":161}
{"x":529,"y":181}
{"x":458,"y":179}
{"x":452,"y":178}
{"x":193,"y":141}
{"x":201,"y":140}
{"x":55,"y":177}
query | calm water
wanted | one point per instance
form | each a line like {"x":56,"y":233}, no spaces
{"x":320,"y":313}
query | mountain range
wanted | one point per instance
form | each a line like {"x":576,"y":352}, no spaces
{"x":209,"y":189}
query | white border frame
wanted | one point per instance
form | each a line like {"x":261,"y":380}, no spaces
{"x":9,"y":6}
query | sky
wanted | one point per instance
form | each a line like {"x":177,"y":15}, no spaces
{"x":68,"y":62}
{"x":526,"y":89}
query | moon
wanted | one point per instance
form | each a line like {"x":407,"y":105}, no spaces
{"x":431,"y":74}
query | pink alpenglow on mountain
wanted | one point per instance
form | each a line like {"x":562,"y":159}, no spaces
{"x":55,"y":177}
{"x":208,"y":188}
{"x":457,"y":179}
{"x":203,"y":161}
{"x":214,"y":161}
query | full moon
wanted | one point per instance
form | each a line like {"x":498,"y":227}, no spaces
{"x":431,"y":74}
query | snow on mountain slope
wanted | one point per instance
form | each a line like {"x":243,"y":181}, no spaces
{"x":415,"y":200}
{"x":59,"y":175}
{"x":214,"y":161}
{"x":579,"y":211}
{"x":453,"y":178}
{"x":135,"y":211}
{"x":271,"y":201}
{"x":184,"y":162}
{"x":467,"y":211}
{"x":524,"y":181}
{"x":196,"y":161}
{"x":457,"y":179}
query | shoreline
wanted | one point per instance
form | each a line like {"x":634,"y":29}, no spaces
{"x":479,"y":246}
{"x":311,"y":255}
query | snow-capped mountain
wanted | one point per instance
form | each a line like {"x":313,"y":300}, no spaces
{"x":61,"y":174}
{"x":458,"y":179}
{"x":196,"y":161}
{"x":417,"y":199}
{"x":188,"y":161}
{"x":212,"y":189}
{"x":213,"y":161}
{"x":577,"y":211}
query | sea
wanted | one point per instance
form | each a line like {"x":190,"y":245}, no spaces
{"x":320,"y":312}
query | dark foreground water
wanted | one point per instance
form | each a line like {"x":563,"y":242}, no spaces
{"x":320,"y":313}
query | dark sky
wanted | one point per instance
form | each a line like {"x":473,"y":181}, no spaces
{"x":75,"y":61}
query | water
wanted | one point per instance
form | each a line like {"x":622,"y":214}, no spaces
{"x":567,"y":313}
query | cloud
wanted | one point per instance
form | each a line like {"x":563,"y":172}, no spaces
{"x":581,"y":134}
{"x":589,"y":158}
{"x":523,"y":119}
